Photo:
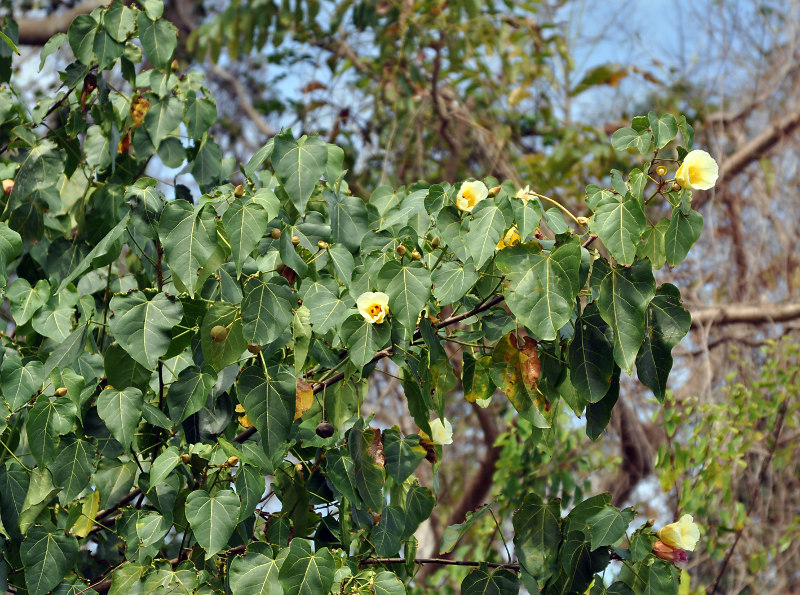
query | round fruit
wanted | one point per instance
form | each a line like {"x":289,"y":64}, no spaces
{"x":219,"y":333}
{"x":275,"y":233}
{"x":295,"y":240}
{"x":325,"y":429}
{"x":415,"y":255}
{"x":401,"y":250}
{"x":238,"y":192}
{"x":254,"y":349}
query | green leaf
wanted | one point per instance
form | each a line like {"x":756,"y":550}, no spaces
{"x":250,"y":486}
{"x":188,"y":394}
{"x":212,"y":518}
{"x":343,"y":263}
{"x":527,"y":214}
{"x":386,"y":534}
{"x":269,"y":401}
{"x":339,"y":468}
{"x":451,"y":281}
{"x":482,"y":581}
{"x":419,"y":505}
{"x":40,"y":169}
{"x":609,"y":525}
{"x":368,"y":473}
{"x":306,"y":572}
{"x":626,"y":138}
{"x":624,"y":296}
{"x":126,"y":580}
{"x":651,"y":245}
{"x":20,"y":381}
{"x":46,"y":558}
{"x":408,"y":287}
{"x":118,"y":21}
{"x":301,"y":336}
{"x":81,"y":38}
{"x":683,"y":231}
{"x":40,"y":493}
{"x":201,"y":113}
{"x":54,"y":319}
{"x":107,"y":49}
{"x":245,"y":224}
{"x":10,"y":248}
{"x":591,"y":355}
{"x":102,"y":254}
{"x":189,"y":236}
{"x":46,"y":420}
{"x":364,"y":339}
{"x":163,"y":465}
{"x":144,"y":327}
{"x":599,"y":414}
{"x":258,"y":158}
{"x":68,"y":351}
{"x":121,"y":410}
{"x":327,"y":311}
{"x":579,"y":563}
{"x":485,"y":231}
{"x":159,"y":40}
{"x":657,"y":578}
{"x":266,"y":310}
{"x":222,"y":355}
{"x":403,"y":454}
{"x":348,"y":220}
{"x":299,"y":164}
{"x":26,"y":300}
{"x":50,"y":47}
{"x":123,"y":371}
{"x":664,"y":128}
{"x":537,"y":534}
{"x":73,"y":466}
{"x":163,"y":116}
{"x":254,"y":574}
{"x":14,"y":481}
{"x":619,"y":224}
{"x":542,"y":286}
{"x":387,"y":583}
{"x":151,"y":528}
{"x":453,"y":533}
{"x":578,"y":517}
{"x":207,"y":164}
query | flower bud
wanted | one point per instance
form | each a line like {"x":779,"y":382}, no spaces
{"x":238,"y":192}
{"x":676,"y":187}
{"x":219,"y":333}
{"x":174,"y":65}
{"x":415,"y":255}
{"x":669,"y":553}
{"x":435,"y":242}
{"x":296,"y":240}
{"x":322,"y":245}
{"x":661,"y":170}
{"x":60,"y":392}
{"x":275,"y":233}
{"x":325,"y":429}
{"x":494,"y":191}
{"x":185,"y":459}
{"x":401,"y":250}
{"x":232,"y":461}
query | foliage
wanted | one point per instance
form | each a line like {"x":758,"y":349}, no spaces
{"x":142,"y":325}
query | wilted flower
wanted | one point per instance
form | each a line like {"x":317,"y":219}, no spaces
{"x":8,"y":185}
{"x":243,"y":419}
{"x":512,"y":237}
{"x":470,"y":194}
{"x":683,"y":534}
{"x":698,"y":171}
{"x":373,"y":306}
{"x":669,"y":553}
{"x":441,"y":433}
{"x":524,"y":193}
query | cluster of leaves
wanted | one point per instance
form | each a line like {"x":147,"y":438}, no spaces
{"x":140,"y":324}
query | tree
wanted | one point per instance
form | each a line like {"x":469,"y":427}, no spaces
{"x":166,"y":355}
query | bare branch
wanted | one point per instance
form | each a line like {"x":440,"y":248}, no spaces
{"x":742,"y":313}
{"x":38,"y":31}
{"x":243,"y":97}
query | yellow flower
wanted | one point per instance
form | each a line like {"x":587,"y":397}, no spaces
{"x":373,"y":306}
{"x":512,"y":237}
{"x":470,"y":194}
{"x":441,"y":433}
{"x":698,"y":171}
{"x":683,"y":535}
{"x":524,"y":193}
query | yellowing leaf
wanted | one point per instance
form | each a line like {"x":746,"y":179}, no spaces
{"x":89,"y":511}
{"x":305,"y":398}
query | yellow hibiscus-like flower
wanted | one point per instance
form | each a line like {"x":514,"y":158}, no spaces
{"x":698,"y":171}
{"x":441,"y":433}
{"x":683,"y":534}
{"x":470,"y":194}
{"x":373,"y":306}
{"x":512,"y":237}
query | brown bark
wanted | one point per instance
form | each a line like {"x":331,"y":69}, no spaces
{"x":38,"y":31}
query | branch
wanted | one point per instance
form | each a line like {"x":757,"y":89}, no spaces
{"x":443,"y":561}
{"x":38,"y":31}
{"x":743,"y":314}
{"x":243,"y":97}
